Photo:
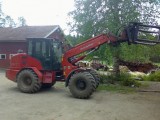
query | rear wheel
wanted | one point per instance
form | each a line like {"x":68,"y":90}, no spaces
{"x":96,"y":76}
{"x":82,"y":85}
{"x":28,"y":81}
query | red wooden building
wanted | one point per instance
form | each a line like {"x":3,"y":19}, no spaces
{"x":14,"y":39}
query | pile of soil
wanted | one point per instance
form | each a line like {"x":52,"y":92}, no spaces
{"x":140,"y":67}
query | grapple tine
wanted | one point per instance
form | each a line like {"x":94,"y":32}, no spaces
{"x":144,"y":43}
{"x":136,"y":30}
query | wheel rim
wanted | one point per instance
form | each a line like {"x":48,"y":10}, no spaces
{"x":81,"y":84}
{"x":27,"y":81}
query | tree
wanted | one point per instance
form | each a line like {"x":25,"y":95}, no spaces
{"x":92,"y":17}
{"x":96,"y":16}
{"x":7,"y":21}
{"x":21,"y":21}
{"x":2,"y":19}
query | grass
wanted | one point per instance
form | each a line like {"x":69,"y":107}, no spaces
{"x":124,"y":79}
{"x":152,"y":77}
{"x":124,"y":83}
{"x":158,"y":64}
{"x":144,"y":84}
{"x":116,"y":88}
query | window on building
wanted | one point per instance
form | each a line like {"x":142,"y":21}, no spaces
{"x":30,"y":48}
{"x":2,"y":56}
{"x":11,"y":55}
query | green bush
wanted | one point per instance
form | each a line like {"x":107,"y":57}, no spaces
{"x":127,"y":80}
{"x":124,"y":79}
{"x":153,"y":77}
{"x":106,"y":78}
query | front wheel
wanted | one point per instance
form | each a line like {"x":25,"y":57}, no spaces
{"x":82,"y":85}
{"x":28,"y":81}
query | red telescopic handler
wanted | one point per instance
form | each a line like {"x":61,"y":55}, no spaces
{"x":46,"y":62}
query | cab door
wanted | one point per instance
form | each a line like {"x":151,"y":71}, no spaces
{"x":41,"y":49}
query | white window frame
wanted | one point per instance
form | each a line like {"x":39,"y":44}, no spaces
{"x":1,"y":57}
{"x":11,"y":55}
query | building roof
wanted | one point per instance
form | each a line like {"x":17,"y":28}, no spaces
{"x":21,"y":33}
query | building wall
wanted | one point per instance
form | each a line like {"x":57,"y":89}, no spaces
{"x":9,"y":49}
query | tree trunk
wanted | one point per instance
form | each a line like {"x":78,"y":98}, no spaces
{"x":116,"y":70}
{"x":116,"y":58}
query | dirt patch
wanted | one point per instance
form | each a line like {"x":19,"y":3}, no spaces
{"x":151,"y":87}
{"x":140,"y":67}
{"x":58,"y":104}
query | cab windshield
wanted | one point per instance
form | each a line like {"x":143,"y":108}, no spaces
{"x":47,"y":51}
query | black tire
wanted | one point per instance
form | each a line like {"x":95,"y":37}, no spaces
{"x":96,"y":76}
{"x":82,"y":85}
{"x":48,"y":85}
{"x":28,"y":81}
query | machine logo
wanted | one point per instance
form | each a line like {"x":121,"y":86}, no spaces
{"x":85,"y":47}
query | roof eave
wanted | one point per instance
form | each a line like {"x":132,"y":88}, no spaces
{"x":58,"y":27}
{"x":12,"y":40}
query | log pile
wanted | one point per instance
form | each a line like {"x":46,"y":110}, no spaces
{"x":140,"y":67}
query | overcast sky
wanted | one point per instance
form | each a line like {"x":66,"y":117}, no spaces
{"x":39,"y":12}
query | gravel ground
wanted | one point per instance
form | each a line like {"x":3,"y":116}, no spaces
{"x":58,"y":104}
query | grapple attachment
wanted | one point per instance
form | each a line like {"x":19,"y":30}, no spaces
{"x":138,"y":33}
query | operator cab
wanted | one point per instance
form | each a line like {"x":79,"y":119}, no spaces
{"x":47,"y":51}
